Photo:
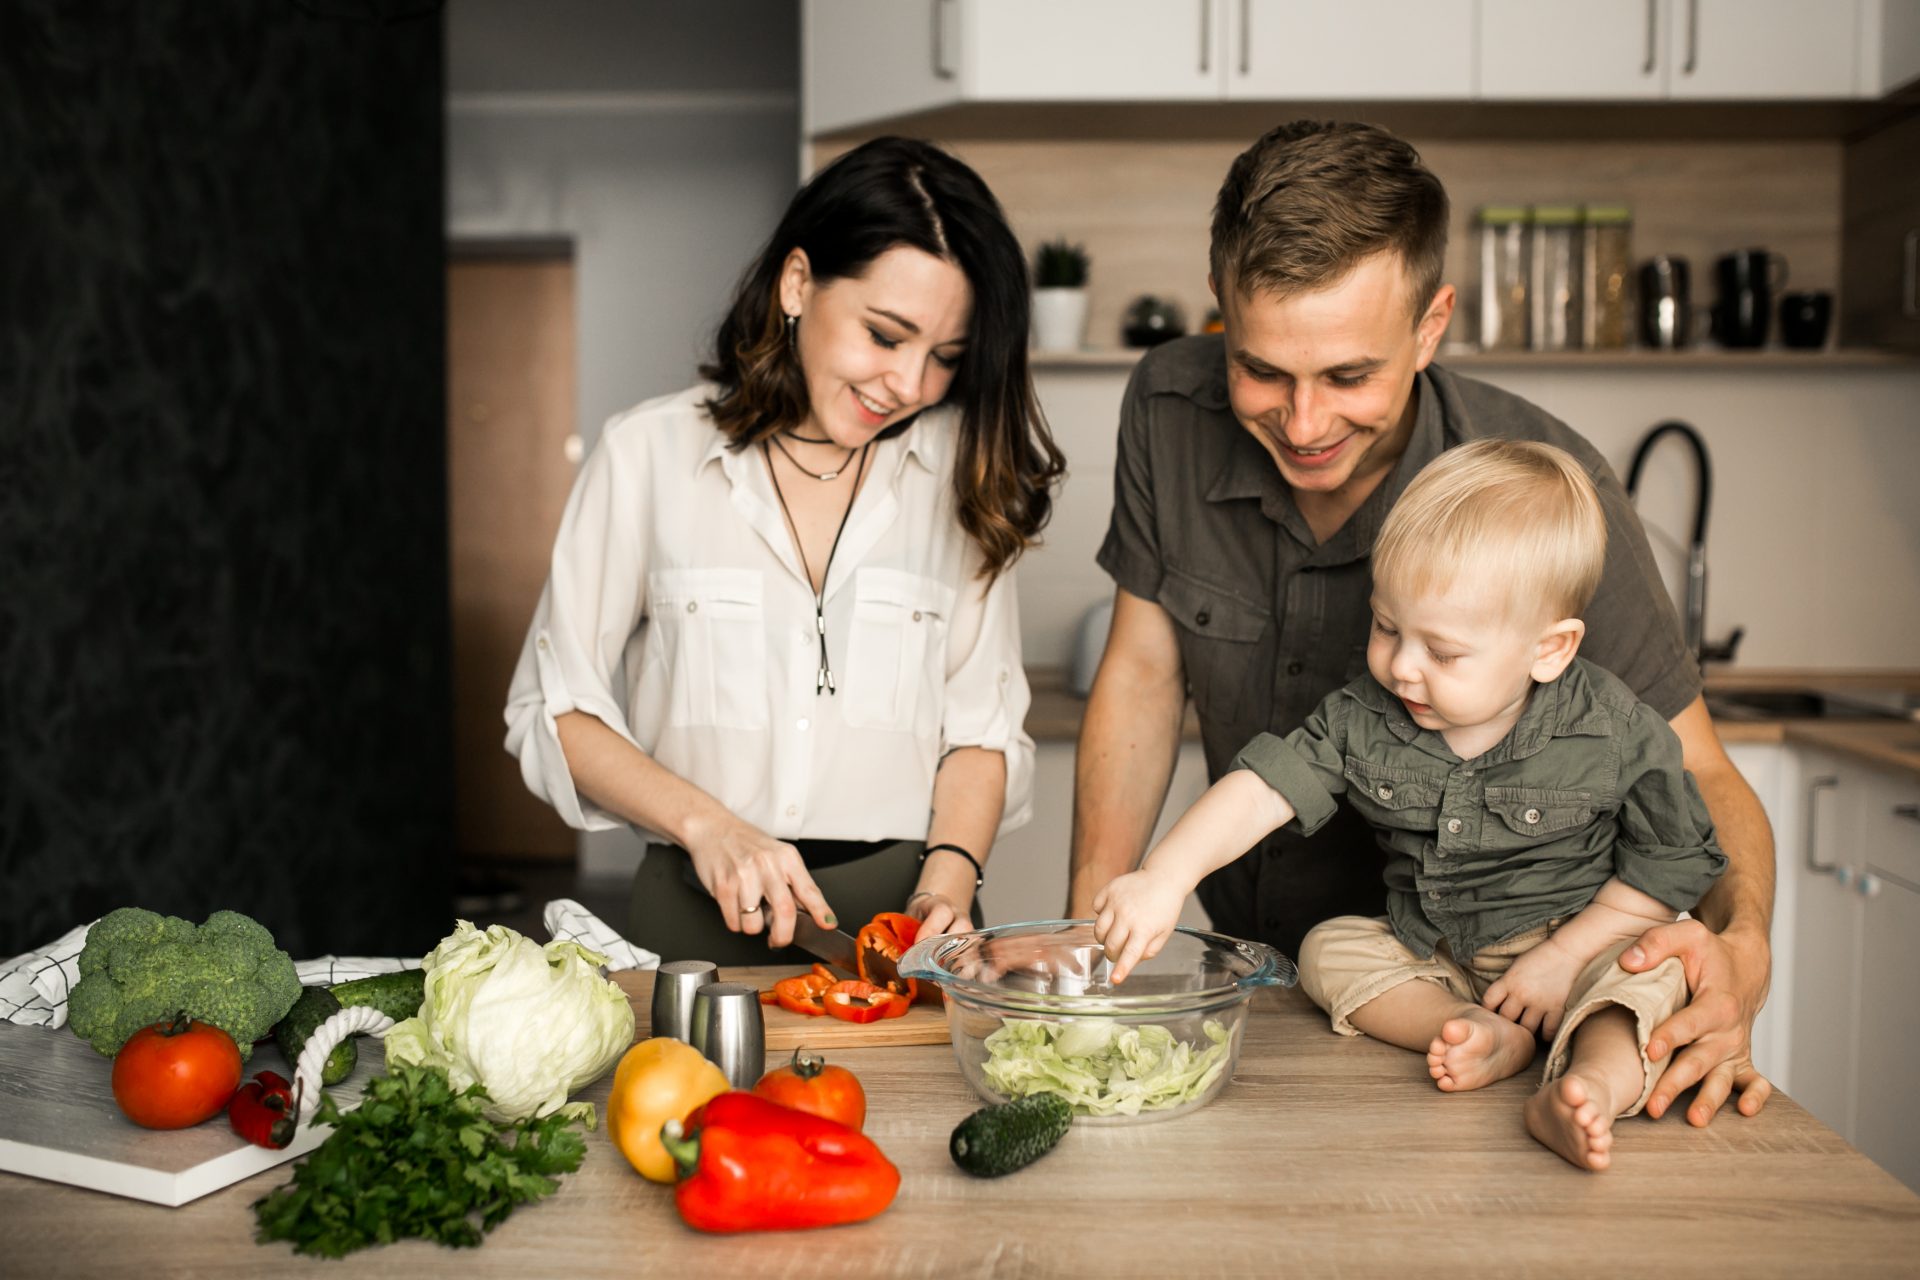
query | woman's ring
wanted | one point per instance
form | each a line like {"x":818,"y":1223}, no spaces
{"x":747,"y":911}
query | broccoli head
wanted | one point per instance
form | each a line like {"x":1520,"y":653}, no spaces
{"x":139,"y":968}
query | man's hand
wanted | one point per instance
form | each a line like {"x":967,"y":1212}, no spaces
{"x":1727,"y":975}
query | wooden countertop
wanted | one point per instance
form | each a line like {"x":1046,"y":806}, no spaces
{"x":1325,"y":1155}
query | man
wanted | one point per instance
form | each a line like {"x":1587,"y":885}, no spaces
{"x":1254,"y":469}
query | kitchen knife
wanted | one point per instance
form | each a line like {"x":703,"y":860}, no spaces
{"x":835,"y":946}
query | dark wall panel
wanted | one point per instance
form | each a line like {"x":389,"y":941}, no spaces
{"x":223,"y":648}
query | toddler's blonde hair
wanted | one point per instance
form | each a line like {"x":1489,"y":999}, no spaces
{"x":1510,"y":513}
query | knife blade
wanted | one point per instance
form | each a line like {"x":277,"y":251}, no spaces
{"x":835,"y":946}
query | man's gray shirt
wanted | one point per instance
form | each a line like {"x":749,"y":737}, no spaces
{"x":1269,"y":621}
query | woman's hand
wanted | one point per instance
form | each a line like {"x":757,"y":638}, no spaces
{"x":938,"y":913}
{"x":757,"y":881}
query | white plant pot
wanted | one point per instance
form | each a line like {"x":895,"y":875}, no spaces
{"x":1059,"y":319}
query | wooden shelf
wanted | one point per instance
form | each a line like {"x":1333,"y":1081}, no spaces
{"x":1699,"y":358}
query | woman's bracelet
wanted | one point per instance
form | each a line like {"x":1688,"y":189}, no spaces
{"x":979,"y":876}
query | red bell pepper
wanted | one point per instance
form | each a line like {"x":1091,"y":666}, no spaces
{"x":805,"y":994}
{"x":880,"y":945}
{"x":864,"y":1002}
{"x":747,"y":1164}
{"x":263,"y":1111}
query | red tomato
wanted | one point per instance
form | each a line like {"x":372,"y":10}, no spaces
{"x":175,"y":1074}
{"x":809,"y":1084}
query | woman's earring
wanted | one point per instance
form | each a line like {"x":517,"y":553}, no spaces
{"x":793,"y":342}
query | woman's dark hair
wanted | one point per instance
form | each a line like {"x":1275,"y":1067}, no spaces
{"x":884,"y":194}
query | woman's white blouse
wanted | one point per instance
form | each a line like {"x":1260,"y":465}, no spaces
{"x":677,"y":612}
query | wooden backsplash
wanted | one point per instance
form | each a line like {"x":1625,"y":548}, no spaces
{"x":1142,"y":206}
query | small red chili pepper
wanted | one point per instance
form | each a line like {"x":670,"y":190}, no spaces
{"x":263,"y":1111}
{"x":747,"y":1164}
{"x":863,"y":1002}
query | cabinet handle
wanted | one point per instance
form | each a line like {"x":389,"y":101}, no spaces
{"x":1246,"y":36}
{"x":1911,"y":812}
{"x":1867,"y":884}
{"x":1653,"y":35}
{"x":1910,"y":290}
{"x":1693,"y":37}
{"x":940,"y":68}
{"x":1814,"y":788}
{"x":1206,"y":35}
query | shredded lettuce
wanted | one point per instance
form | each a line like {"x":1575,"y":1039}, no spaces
{"x":1102,"y":1067}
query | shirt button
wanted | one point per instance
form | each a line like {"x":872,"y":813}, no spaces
{"x":916,"y":615}
{"x":543,"y":642}
{"x":693,"y":606}
{"x":1434,"y":894}
{"x":1439,"y":853}
{"x":1384,"y":791}
{"x":1466,"y":773}
{"x":792,"y":809}
{"x":1453,"y":826}
{"x":1295,"y":668}
{"x":803,"y":724}
{"x":1203,"y":617}
{"x":1531,"y":815}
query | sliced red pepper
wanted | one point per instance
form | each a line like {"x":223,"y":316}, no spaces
{"x":804,"y":994}
{"x":747,"y":1164}
{"x":857,"y":1001}
{"x":263,"y":1111}
{"x":881,"y":943}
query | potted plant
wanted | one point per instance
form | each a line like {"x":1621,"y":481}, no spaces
{"x":1060,"y":296}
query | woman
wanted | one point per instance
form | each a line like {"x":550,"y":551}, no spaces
{"x":780,"y":634}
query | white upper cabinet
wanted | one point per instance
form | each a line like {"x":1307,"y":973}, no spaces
{"x":1090,"y":50}
{"x":870,"y":60}
{"x":1561,"y":50}
{"x":1750,"y":50}
{"x":1373,"y":50}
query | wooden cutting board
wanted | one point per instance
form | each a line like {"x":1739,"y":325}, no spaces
{"x":58,"y":1121}
{"x":786,"y":1030}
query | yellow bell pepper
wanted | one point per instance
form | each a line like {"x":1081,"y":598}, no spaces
{"x":658,"y":1080}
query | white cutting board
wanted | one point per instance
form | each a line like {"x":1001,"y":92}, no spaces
{"x":58,"y":1121}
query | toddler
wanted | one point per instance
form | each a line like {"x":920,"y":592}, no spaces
{"x":1535,"y":814}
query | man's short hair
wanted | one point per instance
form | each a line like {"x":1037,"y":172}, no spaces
{"x":1311,"y":200}
{"x":1514,"y":513}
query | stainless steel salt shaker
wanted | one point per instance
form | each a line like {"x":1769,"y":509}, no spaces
{"x":729,"y":1032}
{"x":674,"y":986}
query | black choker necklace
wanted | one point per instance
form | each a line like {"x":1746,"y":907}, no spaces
{"x":795,"y":435}
{"x":817,"y":475}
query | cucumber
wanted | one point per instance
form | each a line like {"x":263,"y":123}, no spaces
{"x":398,"y":995}
{"x":315,"y":1006}
{"x":994,"y":1141}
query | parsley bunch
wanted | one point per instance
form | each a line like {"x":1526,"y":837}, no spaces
{"x":416,"y":1159}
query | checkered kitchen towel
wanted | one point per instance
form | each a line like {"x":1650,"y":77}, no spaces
{"x":34,"y":986}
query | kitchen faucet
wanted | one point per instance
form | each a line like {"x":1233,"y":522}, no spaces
{"x":1696,"y":605}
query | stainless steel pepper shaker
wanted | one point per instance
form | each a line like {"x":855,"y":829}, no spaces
{"x":674,"y":986}
{"x":729,"y":1031}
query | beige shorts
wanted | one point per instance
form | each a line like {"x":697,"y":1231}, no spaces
{"x":1348,"y":961}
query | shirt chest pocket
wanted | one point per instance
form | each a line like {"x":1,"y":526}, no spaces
{"x":712,"y":631}
{"x":1521,"y":817}
{"x":896,"y":649}
{"x":1219,"y":637}
{"x":1390,"y":797}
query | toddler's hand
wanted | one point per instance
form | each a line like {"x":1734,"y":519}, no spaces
{"x":1533,"y":991}
{"x":1133,"y":918}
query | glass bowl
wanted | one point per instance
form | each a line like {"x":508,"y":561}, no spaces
{"x":1033,"y":1008}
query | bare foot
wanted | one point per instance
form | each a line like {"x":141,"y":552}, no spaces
{"x":1474,"y":1051}
{"x":1574,"y":1116}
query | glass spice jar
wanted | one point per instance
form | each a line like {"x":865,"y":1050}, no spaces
{"x":1606,"y":271}
{"x":1553,"y":283}
{"x":1503,"y":277}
